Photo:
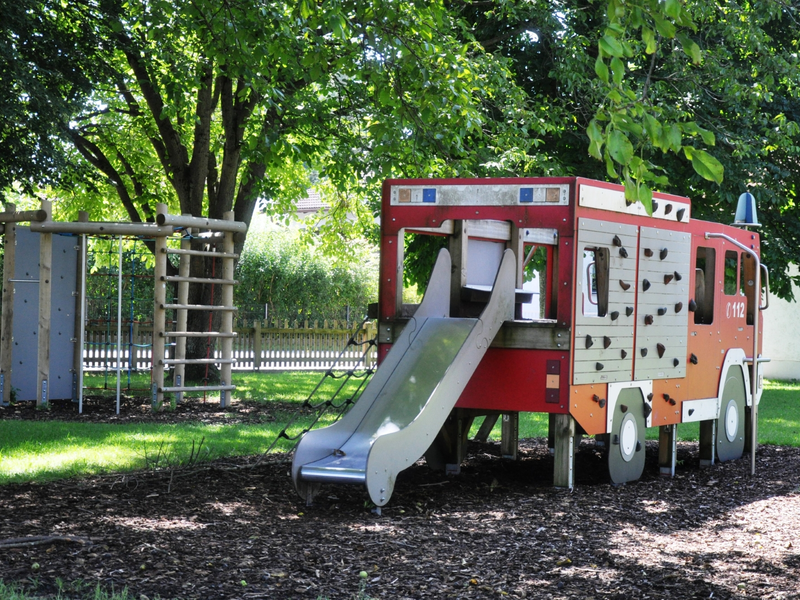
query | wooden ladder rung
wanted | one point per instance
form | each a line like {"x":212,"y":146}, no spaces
{"x":199,"y":388}
{"x":197,"y":361}
{"x":198,"y":307}
{"x":199,"y":253}
{"x":199,"y":334}
{"x":178,"y":279}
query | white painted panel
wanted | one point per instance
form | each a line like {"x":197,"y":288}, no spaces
{"x":614,"y":200}
{"x":705,"y":409}
{"x":483,"y":260}
{"x":506,"y":194}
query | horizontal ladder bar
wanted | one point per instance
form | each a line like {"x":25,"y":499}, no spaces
{"x":199,"y":388}
{"x":201,"y":223}
{"x":211,"y":253}
{"x":176,"y":278}
{"x":146,"y":230}
{"x":198,"y":334}
{"x":198,"y":307}
{"x":197,"y":361}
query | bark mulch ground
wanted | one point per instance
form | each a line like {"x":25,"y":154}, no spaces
{"x":236,"y":528}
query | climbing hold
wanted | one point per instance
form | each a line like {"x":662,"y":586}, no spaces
{"x":663,"y":254}
{"x":645,"y":285}
{"x":648,"y":319}
{"x":660,"y":348}
{"x":675,"y":362}
{"x":692,"y":305}
{"x":650,"y":396}
{"x":614,"y":314}
{"x":647,"y":410}
{"x":616,"y":241}
{"x":638,"y":446}
{"x":667,"y":278}
{"x":693,"y":358}
{"x":666,"y":397}
{"x":644,"y":352}
{"x":668,"y":209}
{"x":662,"y":311}
{"x":623,"y":354}
{"x":680,"y":213}
{"x":598,"y":366}
{"x":672,"y":402}
{"x":623,"y":408}
{"x":589,"y":342}
{"x":628,"y":311}
{"x":678,"y":276}
{"x":606,"y":341}
{"x":648,"y":252}
{"x":678,"y":306}
{"x":623,"y":253}
{"x":624,"y":286}
{"x":655,"y":206}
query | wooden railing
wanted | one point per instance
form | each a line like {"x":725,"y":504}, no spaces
{"x":279,"y":346}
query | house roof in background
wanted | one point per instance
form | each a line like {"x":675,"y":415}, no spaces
{"x":311,"y":204}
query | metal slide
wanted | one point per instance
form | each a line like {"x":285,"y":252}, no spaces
{"x":410,"y":396}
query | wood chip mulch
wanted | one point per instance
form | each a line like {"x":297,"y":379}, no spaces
{"x":236,"y":529}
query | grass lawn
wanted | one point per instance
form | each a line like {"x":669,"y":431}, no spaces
{"x":43,"y":450}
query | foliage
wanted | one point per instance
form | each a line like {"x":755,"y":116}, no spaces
{"x":207,"y":107}
{"x":668,"y":96}
{"x":298,"y":281}
{"x":48,"y":58}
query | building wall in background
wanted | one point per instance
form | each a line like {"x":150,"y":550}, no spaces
{"x":781,"y":342}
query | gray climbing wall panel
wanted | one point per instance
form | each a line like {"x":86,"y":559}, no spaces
{"x":26,"y":316}
{"x":662,"y":309}
{"x":604,"y":344}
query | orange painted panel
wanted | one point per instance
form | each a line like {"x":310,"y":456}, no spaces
{"x":585,"y":410}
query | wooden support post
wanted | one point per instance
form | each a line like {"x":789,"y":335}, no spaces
{"x":509,"y":441}
{"x":80,"y":315}
{"x":516,"y":244}
{"x":226,"y":324}
{"x":667,"y":449}
{"x":45,"y":286}
{"x":179,"y":370}
{"x":257,"y":345}
{"x":564,"y":467}
{"x":7,"y":324}
{"x":486,"y":427}
{"x":708,"y":437}
{"x":159,"y":315}
{"x":458,"y":256}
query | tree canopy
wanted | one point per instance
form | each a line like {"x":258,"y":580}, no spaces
{"x":208,"y":106}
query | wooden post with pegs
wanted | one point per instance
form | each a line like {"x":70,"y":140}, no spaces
{"x":45,"y":301}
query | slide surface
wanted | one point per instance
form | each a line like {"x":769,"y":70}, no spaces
{"x":411,"y":394}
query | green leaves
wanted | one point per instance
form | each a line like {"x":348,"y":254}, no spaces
{"x":620,"y":147}
{"x":704,"y":164}
{"x":633,"y":125}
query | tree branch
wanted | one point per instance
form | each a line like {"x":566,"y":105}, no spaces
{"x":97,"y":158}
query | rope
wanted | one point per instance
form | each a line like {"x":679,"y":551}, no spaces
{"x":329,"y":405}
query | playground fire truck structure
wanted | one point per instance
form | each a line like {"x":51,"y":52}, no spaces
{"x":648,"y":321}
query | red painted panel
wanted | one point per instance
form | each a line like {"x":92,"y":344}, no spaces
{"x":515,"y":380}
